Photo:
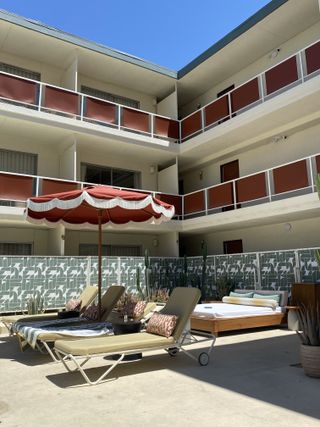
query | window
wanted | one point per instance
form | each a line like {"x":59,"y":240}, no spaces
{"x":15,"y":248}
{"x":109,"y":250}
{"x":96,"y":174}
{"x":232,"y":247}
{"x":18,"y":71}
{"x":19,"y":162}
{"x":110,"y":97}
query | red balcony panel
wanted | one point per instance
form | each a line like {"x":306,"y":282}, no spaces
{"x":100,"y":110}
{"x":217,"y":110}
{"x":194,"y":202}
{"x":166,"y":127}
{"x":16,"y":187}
{"x":18,"y":89}
{"x":318,"y":164}
{"x":290,"y":177}
{"x":251,"y":188}
{"x":136,"y":120}
{"x":191,"y":124}
{"x":220,"y":195}
{"x":61,"y":100}
{"x":245,"y":95}
{"x":281,"y":75}
{"x":313,"y":58}
{"x":176,"y":201}
{"x":50,"y":186}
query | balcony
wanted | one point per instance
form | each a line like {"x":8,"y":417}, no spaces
{"x":43,"y":97}
{"x":282,"y":182}
{"x":291,"y":72}
{"x":77,"y":106}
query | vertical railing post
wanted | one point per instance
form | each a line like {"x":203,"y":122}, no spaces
{"x":261,"y":86}
{"x":234,"y":194}
{"x":300,"y":61}
{"x":37,"y":186}
{"x":257,"y":284}
{"x":206,"y":200}
{"x":40,"y":96}
{"x":297,"y":270}
{"x":180,"y":131}
{"x":269,"y":185}
{"x":81,"y":107}
{"x":182,"y":206}
{"x":119,"y":116}
{"x":202,"y":112}
{"x":312,"y":180}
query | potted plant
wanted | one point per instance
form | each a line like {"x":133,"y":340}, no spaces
{"x":309,"y":333}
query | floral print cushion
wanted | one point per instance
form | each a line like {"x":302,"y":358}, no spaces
{"x":139,"y":309}
{"x":92,"y":312}
{"x":162,"y":324}
{"x":73,"y":305}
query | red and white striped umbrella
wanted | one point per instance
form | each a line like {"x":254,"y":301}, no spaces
{"x":97,"y":206}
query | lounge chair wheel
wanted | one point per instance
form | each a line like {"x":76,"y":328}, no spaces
{"x":203,"y":359}
{"x":173,"y":351}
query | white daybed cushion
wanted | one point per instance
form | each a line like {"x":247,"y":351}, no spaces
{"x":224,"y":310}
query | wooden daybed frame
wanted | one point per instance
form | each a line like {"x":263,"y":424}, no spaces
{"x":215,"y":325}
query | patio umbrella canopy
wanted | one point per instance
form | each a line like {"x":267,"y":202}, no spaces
{"x":97,"y":206}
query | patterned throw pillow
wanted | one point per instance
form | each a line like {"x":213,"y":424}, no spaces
{"x":162,"y":324}
{"x":139,"y":309}
{"x":92,"y":312}
{"x":73,"y":305}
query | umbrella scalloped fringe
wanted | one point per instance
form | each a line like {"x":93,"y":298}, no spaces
{"x":100,"y":204}
{"x":110,"y":224}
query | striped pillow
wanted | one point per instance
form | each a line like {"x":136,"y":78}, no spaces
{"x":240,"y":295}
{"x":251,"y":301}
{"x":275,"y":297}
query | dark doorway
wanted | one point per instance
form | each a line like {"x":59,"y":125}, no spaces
{"x":232,"y":247}
{"x":181,"y":186}
{"x":229,"y":171}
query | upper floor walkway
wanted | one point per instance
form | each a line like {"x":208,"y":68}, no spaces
{"x":108,"y":116}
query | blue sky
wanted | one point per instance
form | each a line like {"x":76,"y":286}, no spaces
{"x":167,"y":32}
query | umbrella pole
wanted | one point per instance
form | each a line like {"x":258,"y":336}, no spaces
{"x":99,"y":261}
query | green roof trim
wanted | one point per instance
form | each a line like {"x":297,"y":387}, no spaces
{"x":238,"y":31}
{"x":81,"y":42}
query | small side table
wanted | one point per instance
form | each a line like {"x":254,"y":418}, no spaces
{"x":129,"y":327}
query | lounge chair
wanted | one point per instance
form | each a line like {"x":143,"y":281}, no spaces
{"x":44,"y":337}
{"x":181,"y":303}
{"x":87,"y":296}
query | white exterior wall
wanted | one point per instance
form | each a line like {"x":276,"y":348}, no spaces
{"x":36,"y":236}
{"x":168,"y":180}
{"x":68,"y":161}
{"x":49,"y":72}
{"x":298,"y":145}
{"x":169,"y":106}
{"x":107,"y":158}
{"x":70,"y":75}
{"x":48,"y":156}
{"x":147,"y":102}
{"x":293,"y":45}
{"x":303,"y":234}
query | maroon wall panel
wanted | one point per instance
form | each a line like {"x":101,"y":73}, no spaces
{"x":290,"y":177}
{"x":217,"y":110}
{"x":18,"y":89}
{"x":50,"y":186}
{"x":166,"y":127}
{"x":318,"y":163}
{"x":251,"y":188}
{"x":245,"y":95}
{"x":194,"y":202}
{"x":133,"y":119}
{"x":15,"y":187}
{"x":191,"y":124}
{"x":61,"y":100}
{"x":221,"y":195}
{"x":100,"y":110}
{"x":281,"y":75}
{"x":174,"y":200}
{"x":313,"y":58}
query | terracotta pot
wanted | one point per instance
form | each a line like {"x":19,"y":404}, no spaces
{"x":310,"y":360}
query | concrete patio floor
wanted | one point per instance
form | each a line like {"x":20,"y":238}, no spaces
{"x":250,"y":381}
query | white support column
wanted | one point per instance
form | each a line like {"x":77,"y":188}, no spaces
{"x":297,"y":270}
